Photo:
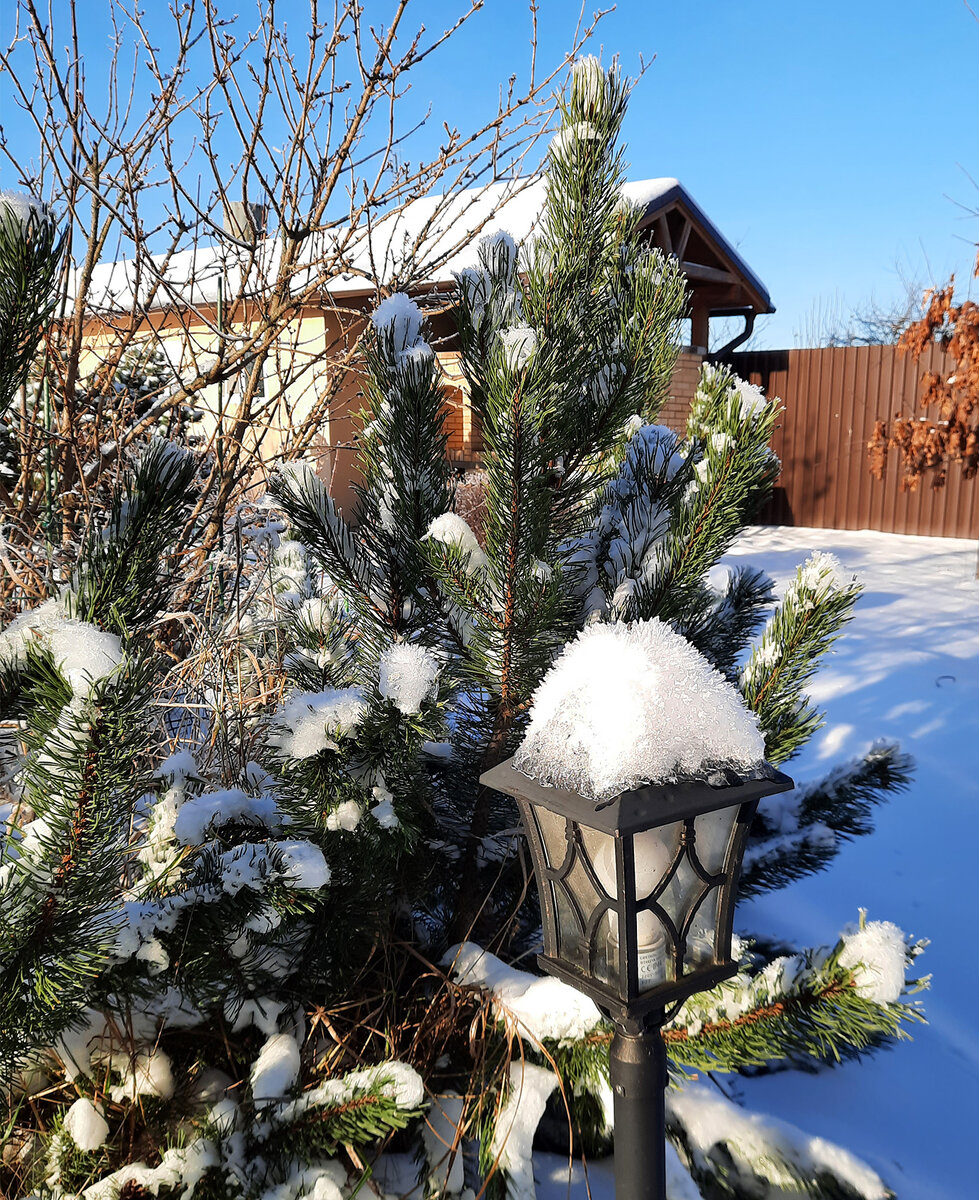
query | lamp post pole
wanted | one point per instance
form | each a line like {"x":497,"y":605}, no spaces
{"x":637,"y":1070}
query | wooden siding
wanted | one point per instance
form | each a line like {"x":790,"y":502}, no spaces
{"x":833,"y":397}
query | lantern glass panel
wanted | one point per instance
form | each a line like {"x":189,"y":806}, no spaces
{"x":713,"y":837}
{"x":553,"y":831}
{"x":701,"y":947}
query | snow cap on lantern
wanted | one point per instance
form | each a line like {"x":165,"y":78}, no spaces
{"x":628,"y":705}
{"x":637,"y":782}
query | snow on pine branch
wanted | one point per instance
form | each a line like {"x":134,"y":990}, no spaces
{"x":408,"y":676}
{"x":83,"y":653}
{"x":626,"y":705}
{"x":537,"y":1007}
{"x":798,"y":832}
{"x":816,"y":606}
{"x":823,"y":1003}
{"x":764,"y":1155}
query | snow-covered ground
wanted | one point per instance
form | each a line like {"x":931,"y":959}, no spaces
{"x":906,"y":668}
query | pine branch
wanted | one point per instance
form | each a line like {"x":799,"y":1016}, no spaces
{"x":119,"y":583}
{"x":817,"y":605}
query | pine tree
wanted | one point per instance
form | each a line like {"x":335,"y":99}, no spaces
{"x":261,"y":910}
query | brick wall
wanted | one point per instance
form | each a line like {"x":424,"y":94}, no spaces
{"x":464,"y":440}
{"x":465,"y":443}
{"x":674,"y":412}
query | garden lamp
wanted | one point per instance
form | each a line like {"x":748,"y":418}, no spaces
{"x":637,"y":897}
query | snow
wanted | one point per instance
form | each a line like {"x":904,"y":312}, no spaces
{"x":751,"y":399}
{"x":396,"y":1080}
{"x":83,"y":653}
{"x":262,"y":1012}
{"x":309,"y":722}
{"x":876,"y":952}
{"x":906,"y":669}
{"x":304,"y":864}
{"x":145,"y":1073}
{"x":564,"y":139}
{"x":401,"y":319}
{"x":438,"y":230}
{"x":407,"y":675}
{"x":451,"y":530}
{"x":589,"y":80}
{"x":716,"y":1127}
{"x":536,"y":1006}
{"x":443,"y":1145}
{"x":383,"y":810}
{"x":86,"y":1125}
{"x":519,"y":344}
{"x":198,"y":815}
{"x":626,"y":705}
{"x":21,"y":207}
{"x":275,"y":1071}
{"x":516,"y":1124}
{"x":345,"y":816}
{"x":181,"y":1167}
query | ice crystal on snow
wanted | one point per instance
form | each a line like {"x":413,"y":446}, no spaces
{"x":407,"y":675}
{"x":626,"y":705}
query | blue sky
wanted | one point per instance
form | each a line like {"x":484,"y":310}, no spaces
{"x":826,"y":141}
{"x":829,"y":142}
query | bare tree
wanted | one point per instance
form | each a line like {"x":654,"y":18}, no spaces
{"x":232,"y":192}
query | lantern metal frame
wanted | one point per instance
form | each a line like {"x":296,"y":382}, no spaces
{"x":622,"y":817}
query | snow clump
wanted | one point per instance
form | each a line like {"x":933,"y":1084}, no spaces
{"x":303,"y":864}
{"x":876,"y":953}
{"x":588,"y":81}
{"x":751,"y":399}
{"x":401,"y":318}
{"x":196,"y":816}
{"x":21,"y":207}
{"x":537,"y":1006}
{"x":86,"y":1125}
{"x":275,"y":1071}
{"x":345,"y":816}
{"x":407,"y":675}
{"x":513,"y":1135}
{"x":626,"y":705}
{"x":82,"y":653}
{"x":451,"y":530}
{"x":309,"y":722}
{"x":520,"y":343}
{"x":715,"y":1128}
{"x":564,"y":139}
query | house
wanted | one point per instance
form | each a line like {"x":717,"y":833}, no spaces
{"x":425,"y":242}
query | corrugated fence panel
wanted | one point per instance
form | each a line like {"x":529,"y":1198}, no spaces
{"x":833,"y":396}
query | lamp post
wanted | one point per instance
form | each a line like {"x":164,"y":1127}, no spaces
{"x":637,"y":898}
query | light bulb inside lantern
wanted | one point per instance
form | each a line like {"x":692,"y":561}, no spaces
{"x":652,"y":859}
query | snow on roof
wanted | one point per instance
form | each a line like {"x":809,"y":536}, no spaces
{"x":441,"y":230}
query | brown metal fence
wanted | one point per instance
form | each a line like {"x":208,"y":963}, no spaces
{"x":832,"y":397}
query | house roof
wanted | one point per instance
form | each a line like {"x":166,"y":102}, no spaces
{"x":426,"y":242}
